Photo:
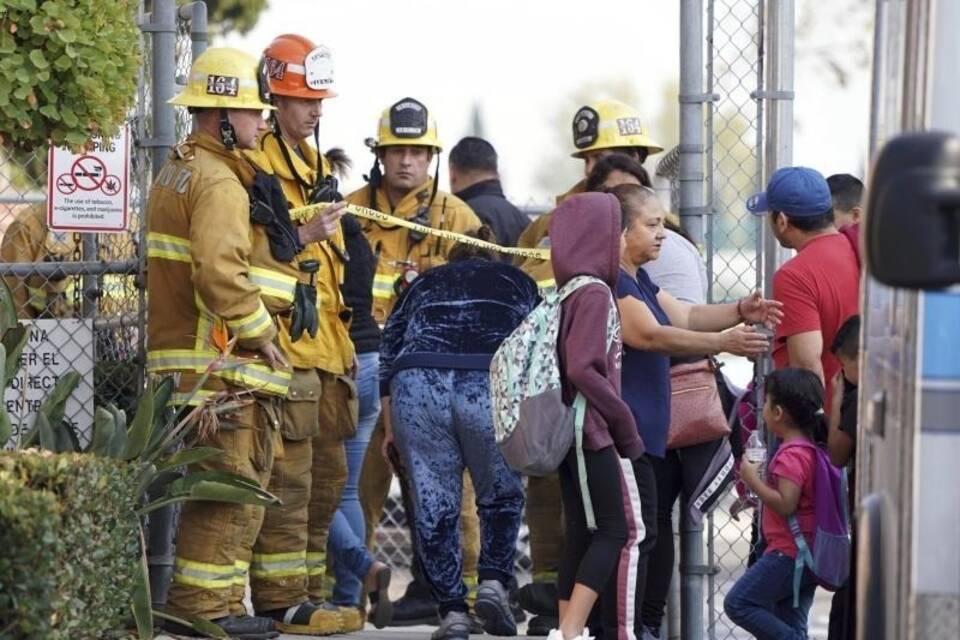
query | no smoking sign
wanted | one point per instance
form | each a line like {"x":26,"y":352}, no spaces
{"x":88,"y":191}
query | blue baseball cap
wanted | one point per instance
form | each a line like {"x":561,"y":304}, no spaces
{"x":796,"y":191}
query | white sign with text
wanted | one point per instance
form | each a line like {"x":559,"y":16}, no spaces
{"x":88,"y":191}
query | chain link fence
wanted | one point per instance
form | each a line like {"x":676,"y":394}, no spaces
{"x":733,"y":173}
{"x":80,"y":293}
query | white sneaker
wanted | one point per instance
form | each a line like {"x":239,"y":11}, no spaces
{"x":556,"y":634}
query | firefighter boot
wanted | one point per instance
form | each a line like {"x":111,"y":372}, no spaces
{"x":240,"y":627}
{"x":308,"y":619}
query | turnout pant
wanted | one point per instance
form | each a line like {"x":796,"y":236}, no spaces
{"x":278,"y":571}
{"x":329,"y":478}
{"x":212,"y":554}
{"x":443,"y":423}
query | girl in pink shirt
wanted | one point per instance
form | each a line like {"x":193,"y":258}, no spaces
{"x":762,"y":599}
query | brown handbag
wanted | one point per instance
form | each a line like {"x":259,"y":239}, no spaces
{"x":696,"y":414}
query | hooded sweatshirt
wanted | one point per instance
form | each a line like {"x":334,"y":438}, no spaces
{"x":585,"y":240}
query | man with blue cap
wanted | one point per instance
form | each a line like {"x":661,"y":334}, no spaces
{"x":819,"y":287}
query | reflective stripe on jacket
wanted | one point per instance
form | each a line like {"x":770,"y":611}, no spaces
{"x":392,"y":246}
{"x":200,"y":290}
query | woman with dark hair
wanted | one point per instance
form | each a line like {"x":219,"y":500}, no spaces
{"x":656,"y":326}
{"x":435,"y":391}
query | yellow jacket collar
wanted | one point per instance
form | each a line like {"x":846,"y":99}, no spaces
{"x":307,"y":168}
{"x":409,"y":203}
{"x":234,"y":159}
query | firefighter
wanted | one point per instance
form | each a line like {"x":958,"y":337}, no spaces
{"x":288,"y":562}
{"x":201,"y":297}
{"x":28,"y":239}
{"x":599,"y":129}
{"x":406,"y":145}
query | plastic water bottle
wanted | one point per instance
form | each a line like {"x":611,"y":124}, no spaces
{"x":755,"y":451}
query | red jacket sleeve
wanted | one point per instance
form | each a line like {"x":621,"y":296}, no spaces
{"x":585,"y":367}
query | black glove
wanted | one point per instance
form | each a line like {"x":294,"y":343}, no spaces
{"x":304,"y":316}
{"x":326,"y":190}
{"x":268,"y":207}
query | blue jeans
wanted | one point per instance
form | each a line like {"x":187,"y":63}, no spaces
{"x":761,"y":601}
{"x":346,"y":541}
{"x":442,"y":422}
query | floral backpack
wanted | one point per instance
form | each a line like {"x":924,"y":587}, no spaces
{"x":534,"y":429}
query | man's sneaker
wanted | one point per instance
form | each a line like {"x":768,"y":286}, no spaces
{"x":493,"y":608}
{"x":414,"y":609}
{"x":649,"y":633}
{"x":541,"y":625}
{"x":454,"y":626}
{"x":308,"y":619}
{"x":519,"y":615}
{"x":539,"y":598}
{"x":240,"y":627}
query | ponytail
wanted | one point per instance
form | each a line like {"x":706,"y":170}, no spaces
{"x":800,"y":393}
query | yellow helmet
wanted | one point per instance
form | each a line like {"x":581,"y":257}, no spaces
{"x":222,"y":77}
{"x":609,"y":124}
{"x":407,"y":123}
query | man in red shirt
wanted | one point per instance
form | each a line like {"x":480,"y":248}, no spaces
{"x":820,"y":286}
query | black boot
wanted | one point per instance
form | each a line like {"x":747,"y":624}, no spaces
{"x":541,"y":625}
{"x":417,"y":606}
{"x":539,"y":598}
{"x":239,"y":627}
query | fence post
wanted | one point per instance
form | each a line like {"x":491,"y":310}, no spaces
{"x":692,"y":209}
{"x":196,"y":14}
{"x":778,"y":98}
{"x":163,"y":31}
{"x":163,"y":28}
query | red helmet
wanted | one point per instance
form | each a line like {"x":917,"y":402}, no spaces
{"x":298,"y":68}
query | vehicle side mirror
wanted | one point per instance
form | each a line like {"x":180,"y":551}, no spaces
{"x":912,"y":235}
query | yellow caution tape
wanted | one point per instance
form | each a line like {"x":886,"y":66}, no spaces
{"x":302,"y":214}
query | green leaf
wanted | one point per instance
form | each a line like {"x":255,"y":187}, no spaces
{"x":55,"y":404}
{"x":68,"y":36}
{"x":189,"y":456}
{"x":69,"y":117}
{"x":67,"y":439}
{"x":36,"y":57}
{"x":42,"y":426}
{"x":50,"y":111}
{"x":139,"y":433}
{"x":77,"y":139}
{"x":14,"y":341}
{"x":119,"y":441}
{"x":141,"y":600}
{"x":8,"y":308}
{"x":103,"y":429}
{"x":63,"y":62}
{"x":197,"y":624}
{"x":147,"y":475}
{"x":6,"y":429}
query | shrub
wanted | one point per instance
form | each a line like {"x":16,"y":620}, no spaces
{"x":29,"y":521}
{"x":69,"y":69}
{"x":95,"y":537}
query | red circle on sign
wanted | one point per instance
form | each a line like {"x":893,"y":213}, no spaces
{"x":66,"y":184}
{"x":88,"y":172}
{"x":111,"y":185}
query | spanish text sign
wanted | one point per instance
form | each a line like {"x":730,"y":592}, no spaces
{"x":88,"y":191}
{"x":54,"y":348}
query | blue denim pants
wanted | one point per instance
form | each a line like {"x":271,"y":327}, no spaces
{"x":442,"y":422}
{"x":761,"y":601}
{"x":346,"y":540}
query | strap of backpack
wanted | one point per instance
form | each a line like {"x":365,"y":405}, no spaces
{"x":579,"y":413}
{"x":804,"y":558}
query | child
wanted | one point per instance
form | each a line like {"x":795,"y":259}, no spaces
{"x":842,"y":445}
{"x":585,"y":237}
{"x":762,"y":599}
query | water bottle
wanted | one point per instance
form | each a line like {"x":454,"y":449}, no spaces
{"x":755,"y":451}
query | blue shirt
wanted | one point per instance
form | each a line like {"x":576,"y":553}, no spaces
{"x":646,"y":374}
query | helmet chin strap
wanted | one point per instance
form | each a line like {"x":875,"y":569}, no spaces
{"x":228,"y":135}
